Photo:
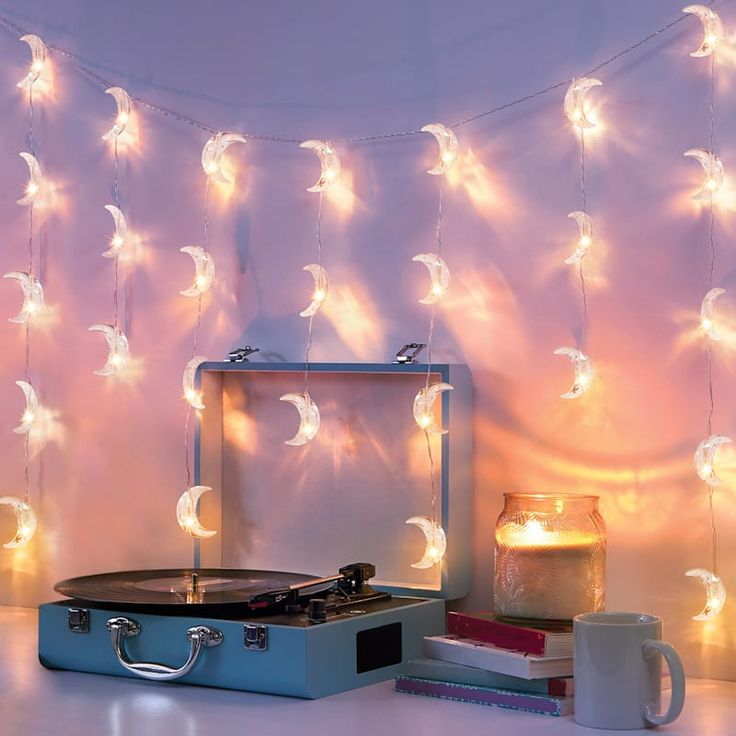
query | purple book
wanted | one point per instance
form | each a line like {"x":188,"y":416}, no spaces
{"x":544,"y":704}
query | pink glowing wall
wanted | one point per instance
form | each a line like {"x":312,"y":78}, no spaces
{"x":110,"y":480}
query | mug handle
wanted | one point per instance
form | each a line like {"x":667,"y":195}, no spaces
{"x":651,"y":648}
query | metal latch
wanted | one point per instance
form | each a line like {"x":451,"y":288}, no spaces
{"x":405,"y":357}
{"x":240,"y":355}
{"x":255,"y":636}
{"x":78,"y":620}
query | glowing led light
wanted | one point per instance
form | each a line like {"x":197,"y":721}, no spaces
{"x":191,"y":394}
{"x":30,"y":412}
{"x":705,"y":457}
{"x":32,"y":296}
{"x":321,"y":285}
{"x":204,"y":270}
{"x":715,"y":592}
{"x":117,"y":344}
{"x":25,"y":521}
{"x":712,"y":29}
{"x":448,"y":145}
{"x":439,"y":275}
{"x":34,"y":181}
{"x":435,"y":540}
{"x":38,"y":61}
{"x":117,"y":242}
{"x":706,"y":314}
{"x":186,"y":512}
{"x":424,"y":407}
{"x":122,"y":101}
{"x":585,"y":225}
{"x":309,"y":418}
{"x":212,"y":155}
{"x":713,"y":169}
{"x":584,"y":372}
{"x":575,"y":101}
{"x":329,"y":162}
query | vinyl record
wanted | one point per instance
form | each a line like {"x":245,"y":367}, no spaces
{"x":185,"y":586}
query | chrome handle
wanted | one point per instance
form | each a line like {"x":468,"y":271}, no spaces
{"x":199,"y":636}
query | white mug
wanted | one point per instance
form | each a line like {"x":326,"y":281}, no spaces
{"x":618,"y":671}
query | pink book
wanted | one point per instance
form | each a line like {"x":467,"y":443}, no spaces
{"x":532,"y":703}
{"x":548,"y":639}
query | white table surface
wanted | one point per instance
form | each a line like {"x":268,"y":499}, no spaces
{"x":34,"y":701}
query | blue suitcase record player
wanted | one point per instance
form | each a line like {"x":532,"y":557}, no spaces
{"x":333,"y":513}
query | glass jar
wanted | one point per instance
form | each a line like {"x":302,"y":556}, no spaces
{"x":550,"y":556}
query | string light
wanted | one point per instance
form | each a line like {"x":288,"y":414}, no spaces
{"x":439,"y":275}
{"x":204,"y":271}
{"x":33,"y":301}
{"x":212,"y":154}
{"x":309,"y":416}
{"x":435,"y":542}
{"x":117,"y":345}
{"x":120,"y":236}
{"x":38,"y":61}
{"x":30,"y":412}
{"x":35,"y":179}
{"x":32,"y":296}
{"x":191,"y":394}
{"x":25,"y":521}
{"x":448,"y":145}
{"x":584,"y":372}
{"x":713,"y":169}
{"x":124,"y":105}
{"x":424,"y":414}
{"x":186,"y":512}
{"x":706,"y":314}
{"x":579,"y":114}
{"x":321,"y":286}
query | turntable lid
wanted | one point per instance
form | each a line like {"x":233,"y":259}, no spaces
{"x":347,"y":494}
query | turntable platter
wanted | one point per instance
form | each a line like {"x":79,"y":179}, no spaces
{"x":207,"y":586}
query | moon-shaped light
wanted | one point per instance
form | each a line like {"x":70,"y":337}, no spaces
{"x":34,"y":179}
{"x":321,"y":284}
{"x":329,"y":162}
{"x":122,"y":100}
{"x":436,"y":542}
{"x":117,"y":242}
{"x":575,"y":99}
{"x":424,"y":407}
{"x":439,"y":275}
{"x":191,"y":394}
{"x":584,"y":372}
{"x":31,"y":411}
{"x":38,"y":60}
{"x":204,"y":270}
{"x":25,"y":520}
{"x":309,"y":419}
{"x":585,"y":225}
{"x":186,"y":512}
{"x":715,"y":592}
{"x":712,"y":29}
{"x":32,"y":295}
{"x":706,"y":314}
{"x":117,"y":343}
{"x":704,"y":458}
{"x":449,"y":147}
{"x":713,"y":169}
{"x":213,"y":151}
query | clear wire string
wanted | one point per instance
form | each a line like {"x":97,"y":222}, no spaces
{"x":82,"y":66}
{"x":581,"y":268}
{"x":318,"y":240}
{"x":711,"y":272}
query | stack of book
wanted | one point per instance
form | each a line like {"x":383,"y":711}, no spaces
{"x":492,"y":662}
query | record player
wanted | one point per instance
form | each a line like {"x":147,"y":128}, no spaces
{"x":230,"y":620}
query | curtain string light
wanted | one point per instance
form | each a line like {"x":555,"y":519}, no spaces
{"x":706,"y":450}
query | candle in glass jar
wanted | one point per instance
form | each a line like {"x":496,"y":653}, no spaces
{"x":548,"y":573}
